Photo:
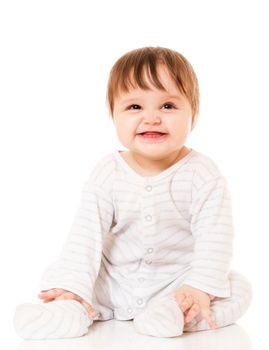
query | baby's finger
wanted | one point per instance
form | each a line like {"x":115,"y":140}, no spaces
{"x":92,"y":313}
{"x":51,"y":293}
{"x":193,"y":312}
{"x":179,"y":297}
{"x":48,"y":295}
{"x":186,"y":303}
{"x":68,"y":295}
{"x":208,"y":315}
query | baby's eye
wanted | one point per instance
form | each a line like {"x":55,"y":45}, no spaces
{"x":134,"y":107}
{"x":168,"y":105}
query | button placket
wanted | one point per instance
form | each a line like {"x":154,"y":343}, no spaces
{"x":148,"y":219}
{"x":148,"y":210}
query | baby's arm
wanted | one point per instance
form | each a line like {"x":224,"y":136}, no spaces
{"x":212,"y":229}
{"x":79,"y":264}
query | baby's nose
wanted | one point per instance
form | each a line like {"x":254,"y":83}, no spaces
{"x":151,"y":117}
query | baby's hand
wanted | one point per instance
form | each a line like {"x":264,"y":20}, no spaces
{"x":192,"y":302}
{"x":62,"y":294}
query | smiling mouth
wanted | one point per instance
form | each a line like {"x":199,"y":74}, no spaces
{"x":155,"y":133}
{"x":152,"y":136}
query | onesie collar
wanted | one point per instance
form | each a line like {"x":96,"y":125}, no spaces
{"x":152,"y":178}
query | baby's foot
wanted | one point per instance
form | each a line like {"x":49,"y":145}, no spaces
{"x":56,"y":319}
{"x":162,"y":317}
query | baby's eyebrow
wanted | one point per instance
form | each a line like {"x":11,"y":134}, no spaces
{"x":129,"y":101}
{"x":174,"y":96}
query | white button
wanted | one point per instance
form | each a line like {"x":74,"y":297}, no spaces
{"x":141,"y":279}
{"x":139,"y":301}
{"x":150,"y":250}
{"x":148,"y":262}
{"x":148,"y":217}
{"x":148,"y":188}
{"x":129,"y":310}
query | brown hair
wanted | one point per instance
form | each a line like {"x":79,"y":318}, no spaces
{"x":128,"y":71}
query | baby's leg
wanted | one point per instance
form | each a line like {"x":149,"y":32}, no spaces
{"x":162,"y":317}
{"x":226,"y":310}
{"x":56,"y":319}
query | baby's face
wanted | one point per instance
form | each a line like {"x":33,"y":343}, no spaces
{"x":139,"y":110}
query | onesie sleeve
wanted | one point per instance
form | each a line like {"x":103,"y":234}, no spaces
{"x":212,"y":230}
{"x":79,"y":263}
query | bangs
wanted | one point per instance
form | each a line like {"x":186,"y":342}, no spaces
{"x":139,"y":69}
{"x":143,"y":75}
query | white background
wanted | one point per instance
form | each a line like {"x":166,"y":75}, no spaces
{"x":54,"y":64}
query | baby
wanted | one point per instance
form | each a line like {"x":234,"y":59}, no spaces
{"x":152,"y":237}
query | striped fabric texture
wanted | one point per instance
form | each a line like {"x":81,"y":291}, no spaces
{"x":161,"y":317}
{"x":137,"y":237}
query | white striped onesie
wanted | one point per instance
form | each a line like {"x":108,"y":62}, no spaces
{"x":135,"y":239}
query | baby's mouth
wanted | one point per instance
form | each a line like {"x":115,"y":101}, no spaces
{"x":152,"y":135}
{"x":148,"y":133}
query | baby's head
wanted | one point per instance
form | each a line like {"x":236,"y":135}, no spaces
{"x":131,"y":69}
{"x":153,"y":89}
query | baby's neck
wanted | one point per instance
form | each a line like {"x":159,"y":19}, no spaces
{"x":150,"y":167}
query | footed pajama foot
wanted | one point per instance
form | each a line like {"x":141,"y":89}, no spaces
{"x":162,"y":317}
{"x":53,"y":320}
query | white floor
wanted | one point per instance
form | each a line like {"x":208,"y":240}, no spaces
{"x":115,"y":334}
